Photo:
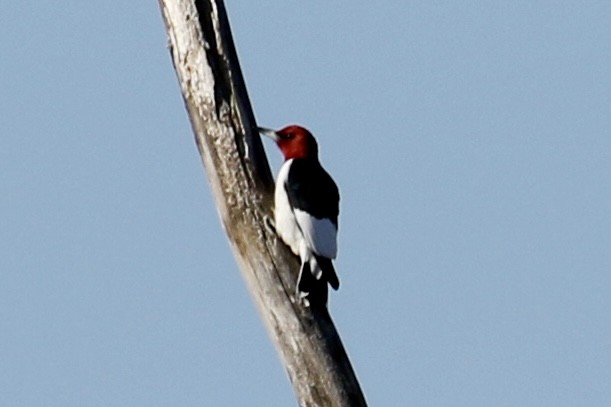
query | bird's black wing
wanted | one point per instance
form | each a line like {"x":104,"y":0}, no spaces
{"x":311,"y":189}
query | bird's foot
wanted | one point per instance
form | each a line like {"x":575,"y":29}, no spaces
{"x":302,"y":298}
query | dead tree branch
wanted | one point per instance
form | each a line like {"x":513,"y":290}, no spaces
{"x":215,"y":96}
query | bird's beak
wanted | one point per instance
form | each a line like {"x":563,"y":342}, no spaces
{"x":269,"y":133}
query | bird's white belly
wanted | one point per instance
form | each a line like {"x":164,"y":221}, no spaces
{"x":286,"y":223}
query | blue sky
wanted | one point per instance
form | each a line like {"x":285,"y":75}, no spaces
{"x":472,"y":145}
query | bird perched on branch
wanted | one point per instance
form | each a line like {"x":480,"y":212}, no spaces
{"x":306,"y":207}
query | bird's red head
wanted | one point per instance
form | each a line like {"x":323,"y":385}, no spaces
{"x":294,"y":142}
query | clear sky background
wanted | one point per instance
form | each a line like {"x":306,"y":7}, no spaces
{"x":472,"y":145}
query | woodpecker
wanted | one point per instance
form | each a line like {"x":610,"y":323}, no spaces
{"x":306,"y":206}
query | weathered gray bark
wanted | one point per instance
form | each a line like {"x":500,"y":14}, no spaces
{"x":215,"y":96}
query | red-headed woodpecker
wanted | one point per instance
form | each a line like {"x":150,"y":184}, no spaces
{"x":306,"y":206}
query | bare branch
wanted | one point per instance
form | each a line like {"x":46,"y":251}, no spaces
{"x":215,"y":96}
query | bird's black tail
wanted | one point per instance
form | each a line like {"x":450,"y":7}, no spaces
{"x":308,"y":279}
{"x":328,"y":271}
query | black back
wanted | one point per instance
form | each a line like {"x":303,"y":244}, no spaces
{"x":311,"y":189}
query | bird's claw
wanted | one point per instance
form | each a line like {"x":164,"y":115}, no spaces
{"x":302,"y":298}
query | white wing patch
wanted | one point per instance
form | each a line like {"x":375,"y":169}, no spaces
{"x":320,"y":234}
